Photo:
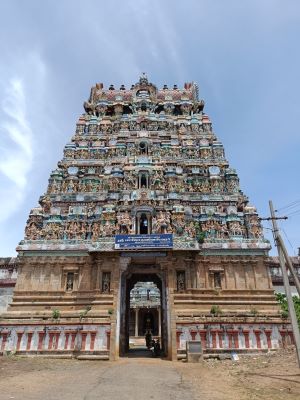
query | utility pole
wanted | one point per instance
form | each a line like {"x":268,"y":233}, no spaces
{"x":289,"y":264}
{"x":287,"y":258}
{"x":280,"y":245}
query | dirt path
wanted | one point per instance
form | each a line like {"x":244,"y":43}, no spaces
{"x":273,"y":376}
{"x":77,"y":380}
{"x":265,"y":377}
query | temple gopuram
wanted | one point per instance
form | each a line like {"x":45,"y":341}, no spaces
{"x":143,"y":197}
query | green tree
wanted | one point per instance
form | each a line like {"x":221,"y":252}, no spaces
{"x":281,"y":298}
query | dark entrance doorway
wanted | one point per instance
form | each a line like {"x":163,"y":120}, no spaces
{"x":144,"y":224}
{"x":145,"y":303}
{"x":149,"y":320}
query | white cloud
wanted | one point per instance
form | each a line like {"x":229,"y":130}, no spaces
{"x":17,"y":158}
{"x":16,"y":132}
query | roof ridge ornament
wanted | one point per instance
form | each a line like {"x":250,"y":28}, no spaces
{"x":143,"y":79}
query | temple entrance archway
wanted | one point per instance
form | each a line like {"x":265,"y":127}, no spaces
{"x":153,"y":319}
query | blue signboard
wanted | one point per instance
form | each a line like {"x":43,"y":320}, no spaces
{"x":144,"y":241}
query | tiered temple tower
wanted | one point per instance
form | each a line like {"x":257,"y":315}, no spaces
{"x":143,"y":193}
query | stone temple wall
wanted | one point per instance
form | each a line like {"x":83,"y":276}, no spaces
{"x":57,"y":337}
{"x":6,"y":295}
{"x":8,"y":278}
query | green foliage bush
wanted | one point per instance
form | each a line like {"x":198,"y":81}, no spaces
{"x":55,"y":314}
{"x":215,"y":310}
{"x":83,"y":313}
{"x":281,"y":298}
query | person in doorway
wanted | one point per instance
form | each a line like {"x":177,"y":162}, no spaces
{"x":148,"y":339}
{"x":156,"y":348}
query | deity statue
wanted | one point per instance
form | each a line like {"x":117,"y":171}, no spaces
{"x":190,"y":230}
{"x":46,"y":203}
{"x":31,"y":231}
{"x":236,"y":228}
{"x":95,"y":231}
{"x":124,"y":223}
{"x":162,"y":222}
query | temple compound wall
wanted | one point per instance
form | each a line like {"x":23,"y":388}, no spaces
{"x":143,"y":194}
{"x":8,"y":277}
{"x":237,"y":313}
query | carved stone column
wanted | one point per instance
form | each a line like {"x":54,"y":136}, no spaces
{"x":246,"y":336}
{"x":178,"y":334}
{"x":41,"y":340}
{"x":193,"y":334}
{"x":29,"y":338}
{"x":83,"y":340}
{"x":19,"y":335}
{"x":214,"y":338}
{"x":67,"y":335}
{"x":257,"y":335}
{"x":268,"y":333}
{"x":73,"y":338}
{"x":230,"y":335}
{"x":136,"y":333}
{"x":291,"y":335}
{"x":159,"y":321}
{"x":4,"y":338}
{"x":283,"y":334}
{"x":108,"y":340}
{"x":220,"y":336}
{"x":236,"y":339}
{"x":93,"y":336}
{"x":203,"y":338}
{"x":50,"y":344}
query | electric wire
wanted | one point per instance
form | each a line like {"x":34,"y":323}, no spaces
{"x":295,"y":212}
{"x":292,"y":247}
{"x":290,"y":205}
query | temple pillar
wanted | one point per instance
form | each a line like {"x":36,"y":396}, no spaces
{"x":159,"y":321}
{"x":214,"y":338}
{"x":193,"y":334}
{"x":57,"y":335}
{"x":67,"y":335}
{"x":178,"y":334}
{"x":291,"y":335}
{"x":83,"y":340}
{"x":93,"y":337}
{"x":203,"y":338}
{"x":41,"y":339}
{"x":73,"y":337}
{"x":236,"y":339}
{"x":50,"y":344}
{"x":257,"y":335}
{"x":246,"y":336}
{"x":136,"y":333}
{"x":220,"y":337}
{"x":283,"y":334}
{"x":19,"y":335}
{"x":230,"y":335}
{"x":4,"y":338}
{"x":268,"y":333}
{"x":108,"y":340}
{"x":29,"y":338}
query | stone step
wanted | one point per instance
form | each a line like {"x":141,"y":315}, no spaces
{"x":93,"y":357}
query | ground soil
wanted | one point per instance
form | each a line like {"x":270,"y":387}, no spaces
{"x":273,"y":376}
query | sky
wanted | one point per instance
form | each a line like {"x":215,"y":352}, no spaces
{"x":244,"y":55}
